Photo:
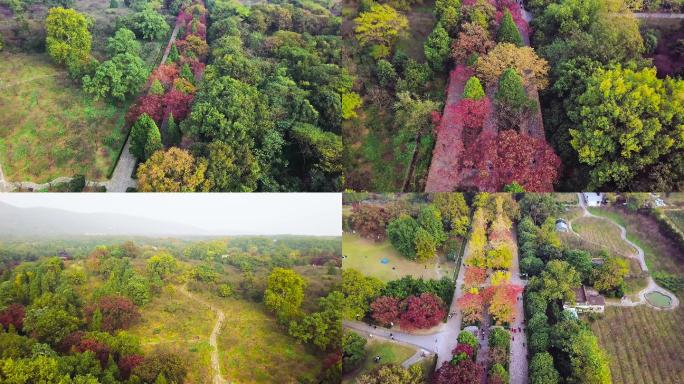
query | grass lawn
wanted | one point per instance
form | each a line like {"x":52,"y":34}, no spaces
{"x":174,"y":320}
{"x":50,"y":128}
{"x":645,"y":345}
{"x":602,"y":234}
{"x":388,"y":351}
{"x":365,"y":255}
{"x":566,"y":198}
{"x":254,"y":349}
{"x":661,"y":253}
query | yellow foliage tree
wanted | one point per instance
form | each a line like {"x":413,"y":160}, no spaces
{"x":380,"y":26}
{"x":533,"y":69}
{"x":174,"y":170}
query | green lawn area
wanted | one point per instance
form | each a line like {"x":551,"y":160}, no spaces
{"x":566,"y":198}
{"x":602,"y":234}
{"x":388,"y":351}
{"x":661,"y":253}
{"x":174,"y":320}
{"x":365,"y":255}
{"x":50,"y":128}
{"x":254,"y":349}
{"x":645,"y":345}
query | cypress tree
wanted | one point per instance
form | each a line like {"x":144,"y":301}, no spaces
{"x":511,"y":92}
{"x":473,"y":89}
{"x":186,"y":73}
{"x":173,"y":133}
{"x":153,"y":143}
{"x":173,"y":54}
{"x":508,"y":31}
{"x":144,"y":135}
{"x":156,"y":88}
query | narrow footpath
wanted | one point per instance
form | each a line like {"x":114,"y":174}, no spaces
{"x":220,"y":317}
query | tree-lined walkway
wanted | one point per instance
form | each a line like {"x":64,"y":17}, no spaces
{"x":122,"y":177}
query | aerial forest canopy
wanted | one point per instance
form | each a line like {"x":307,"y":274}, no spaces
{"x":268,"y":110}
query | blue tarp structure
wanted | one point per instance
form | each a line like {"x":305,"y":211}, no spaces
{"x":384,"y":260}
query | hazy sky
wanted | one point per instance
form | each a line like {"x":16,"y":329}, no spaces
{"x":247,"y":213}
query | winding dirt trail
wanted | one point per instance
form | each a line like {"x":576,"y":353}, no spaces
{"x":215,"y":363}
{"x":652,"y":286}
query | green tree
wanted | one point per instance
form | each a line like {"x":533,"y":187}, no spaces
{"x":402,"y":234}
{"x":123,"y":41}
{"x":324,"y":149}
{"x":162,"y":265}
{"x":284,"y":294}
{"x":145,"y":137}
{"x":589,"y":362}
{"x":49,"y":324}
{"x":557,"y":282}
{"x":627,"y":121}
{"x":174,"y":170}
{"x":186,"y":73}
{"x":473,"y":89}
{"x":391,"y":374}
{"x":430,"y":218}
{"x":508,"y":31}
{"x":511,"y":99}
{"x":386,"y":73}
{"x":119,"y":77}
{"x":437,"y":48}
{"x":157,"y":88}
{"x":425,"y":245}
{"x":68,"y":41}
{"x":351,"y":101}
{"x":353,"y":351}
{"x":542,"y":370}
{"x":611,"y":275}
{"x":455,"y":212}
{"x":359,"y":292}
{"x":173,"y":132}
{"x":380,"y":26}
{"x":173,"y":54}
{"x":148,"y":24}
{"x":448,"y":13}
{"x":231,"y":168}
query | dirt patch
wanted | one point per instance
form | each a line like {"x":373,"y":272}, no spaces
{"x":665,"y":57}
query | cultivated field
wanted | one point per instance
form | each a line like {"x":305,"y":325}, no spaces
{"x":175,"y":321}
{"x":365,"y":256}
{"x":389,"y":352}
{"x":50,"y":128}
{"x":677,"y":217}
{"x":602,"y":234}
{"x":645,"y":345}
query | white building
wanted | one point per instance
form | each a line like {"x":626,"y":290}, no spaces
{"x":593,"y":199}
{"x":562,"y":226}
{"x":587,"y":300}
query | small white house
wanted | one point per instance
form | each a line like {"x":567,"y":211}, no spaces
{"x":593,"y":199}
{"x":587,"y":300}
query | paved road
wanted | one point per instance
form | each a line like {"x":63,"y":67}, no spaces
{"x":518,"y":354}
{"x":652,"y":286}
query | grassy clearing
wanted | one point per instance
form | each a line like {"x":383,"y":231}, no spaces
{"x":174,"y":320}
{"x":388,"y":351}
{"x":50,"y":128}
{"x":602,"y":234}
{"x":661,"y":253}
{"x":645,"y":345}
{"x":365,"y":255}
{"x":566,"y":198}
{"x":254,"y":349}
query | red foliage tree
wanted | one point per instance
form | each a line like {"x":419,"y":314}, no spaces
{"x":178,"y":103}
{"x":127,"y":363}
{"x":424,"y":311}
{"x":153,"y":105}
{"x":502,"y":304}
{"x":472,"y":308}
{"x":13,"y":315}
{"x":100,"y":350}
{"x":465,"y":372}
{"x":117,"y":313}
{"x":512,"y":157}
{"x":464,"y":348}
{"x":165,"y":73}
{"x":385,"y":310}
{"x":370,"y":221}
{"x":70,"y":340}
{"x":472,"y":114}
{"x":474,"y":277}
